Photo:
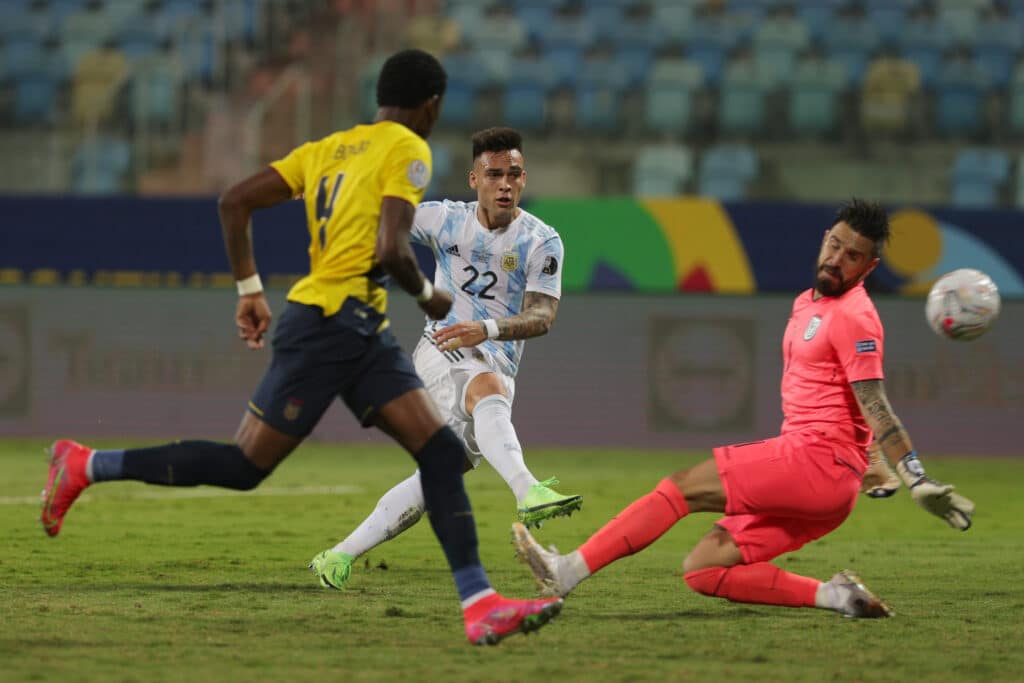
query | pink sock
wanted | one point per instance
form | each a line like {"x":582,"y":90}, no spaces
{"x":762,"y":583}
{"x":636,"y":527}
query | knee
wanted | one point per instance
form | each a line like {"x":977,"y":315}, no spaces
{"x":442,"y":454}
{"x":704,"y":581}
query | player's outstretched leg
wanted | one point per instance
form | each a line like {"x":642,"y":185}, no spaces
{"x":556,"y":575}
{"x":499,"y":444}
{"x":66,"y":481}
{"x":541,"y":503}
{"x":846,"y":593}
{"x":502,"y":617}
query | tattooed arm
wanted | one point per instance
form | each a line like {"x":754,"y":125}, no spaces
{"x":893,"y":440}
{"x":536,"y":319}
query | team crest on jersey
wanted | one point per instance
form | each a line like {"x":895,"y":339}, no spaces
{"x":418,"y":174}
{"x":509,"y":261}
{"x":812,"y":328}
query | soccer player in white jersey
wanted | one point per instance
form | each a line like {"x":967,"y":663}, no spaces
{"x":502,"y":266}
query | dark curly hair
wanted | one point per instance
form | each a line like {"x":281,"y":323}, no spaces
{"x":409,"y":78}
{"x":868,"y":219}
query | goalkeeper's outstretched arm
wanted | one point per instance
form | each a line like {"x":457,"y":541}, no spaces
{"x":894,"y":443}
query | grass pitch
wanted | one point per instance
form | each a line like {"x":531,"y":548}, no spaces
{"x":146,"y":583}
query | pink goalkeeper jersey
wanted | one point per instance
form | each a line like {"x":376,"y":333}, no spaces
{"x":828,"y":344}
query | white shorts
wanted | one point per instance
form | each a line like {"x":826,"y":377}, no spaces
{"x":447,"y":375}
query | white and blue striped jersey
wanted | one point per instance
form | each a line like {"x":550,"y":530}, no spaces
{"x":488,"y":272}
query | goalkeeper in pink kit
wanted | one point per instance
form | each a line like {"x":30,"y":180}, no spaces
{"x":783,"y":492}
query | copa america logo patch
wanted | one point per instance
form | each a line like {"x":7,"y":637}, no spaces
{"x":865,"y":346}
{"x":812,"y":328}
{"x":418,"y":174}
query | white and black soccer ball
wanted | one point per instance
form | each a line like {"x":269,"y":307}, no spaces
{"x":962,"y":304}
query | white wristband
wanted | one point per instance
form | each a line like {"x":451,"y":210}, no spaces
{"x":250,"y":285}
{"x":427,"y":293}
{"x":491,"y":325}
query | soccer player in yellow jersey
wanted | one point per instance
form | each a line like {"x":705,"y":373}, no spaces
{"x":361,"y":187}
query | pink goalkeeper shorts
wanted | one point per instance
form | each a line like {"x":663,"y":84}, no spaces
{"x":787,"y":491}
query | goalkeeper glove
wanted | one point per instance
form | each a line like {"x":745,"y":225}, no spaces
{"x":934,"y":496}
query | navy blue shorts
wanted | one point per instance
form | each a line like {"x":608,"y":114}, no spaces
{"x":316,"y":359}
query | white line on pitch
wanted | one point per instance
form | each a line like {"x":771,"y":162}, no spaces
{"x":173,"y":494}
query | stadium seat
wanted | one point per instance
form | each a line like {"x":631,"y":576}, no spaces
{"x":563,"y":61}
{"x":978,"y":176}
{"x":674,"y":21}
{"x":669,"y":93}
{"x":777,"y":42}
{"x":156,"y":90}
{"x":524,"y":105}
{"x":813,"y":98}
{"x":35,"y":96}
{"x":597,"y":99}
{"x":1016,"y":102}
{"x":725,"y":171}
{"x":636,"y":62}
{"x":851,"y":40}
{"x":100,"y":166}
{"x":741,"y":97}
{"x":960,"y":97}
{"x":662,"y":170}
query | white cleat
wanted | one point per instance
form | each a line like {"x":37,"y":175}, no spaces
{"x":547,"y":565}
{"x":860,"y":602}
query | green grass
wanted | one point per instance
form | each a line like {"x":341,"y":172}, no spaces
{"x":216,"y":588}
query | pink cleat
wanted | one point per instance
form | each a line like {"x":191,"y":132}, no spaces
{"x":504,"y":617}
{"x":67,"y":480}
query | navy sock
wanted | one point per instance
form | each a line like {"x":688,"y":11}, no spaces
{"x":191,"y":463}
{"x":450,"y":513}
{"x":107,"y":465}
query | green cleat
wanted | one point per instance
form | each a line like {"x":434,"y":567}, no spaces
{"x":542,"y":503}
{"x":333,"y":569}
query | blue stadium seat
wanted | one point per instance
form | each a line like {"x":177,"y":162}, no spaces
{"x":35,"y":98}
{"x":524,"y":105}
{"x":563,"y":60}
{"x":137,"y":41}
{"x":726,"y":171}
{"x":852,"y":40}
{"x":668,"y":96}
{"x":534,"y":18}
{"x":674,"y":21}
{"x":156,"y":90}
{"x":597,"y":99}
{"x":21,"y":56}
{"x":711,"y":59}
{"x":662,"y":170}
{"x":741,"y":98}
{"x":636,"y":62}
{"x":460,"y":103}
{"x":1016,"y":104}
{"x":960,"y":97}
{"x":890,"y":18}
{"x":813,"y":99}
{"x":100,"y":166}
{"x":978,"y":176}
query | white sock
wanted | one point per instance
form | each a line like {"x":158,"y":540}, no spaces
{"x":496,"y":437}
{"x":830,"y":596}
{"x":396,"y":511}
{"x":575,"y":566}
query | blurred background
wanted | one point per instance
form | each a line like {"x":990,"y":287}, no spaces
{"x":903,"y":100}
{"x":684,"y":149}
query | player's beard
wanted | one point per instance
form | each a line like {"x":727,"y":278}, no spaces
{"x":827,"y":286}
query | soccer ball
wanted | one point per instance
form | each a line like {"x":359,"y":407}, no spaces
{"x":962,"y":304}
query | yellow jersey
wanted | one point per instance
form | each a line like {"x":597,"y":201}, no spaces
{"x":343,"y":179}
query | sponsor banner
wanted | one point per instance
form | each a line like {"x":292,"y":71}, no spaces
{"x":617,"y":370}
{"x":682,"y":244}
